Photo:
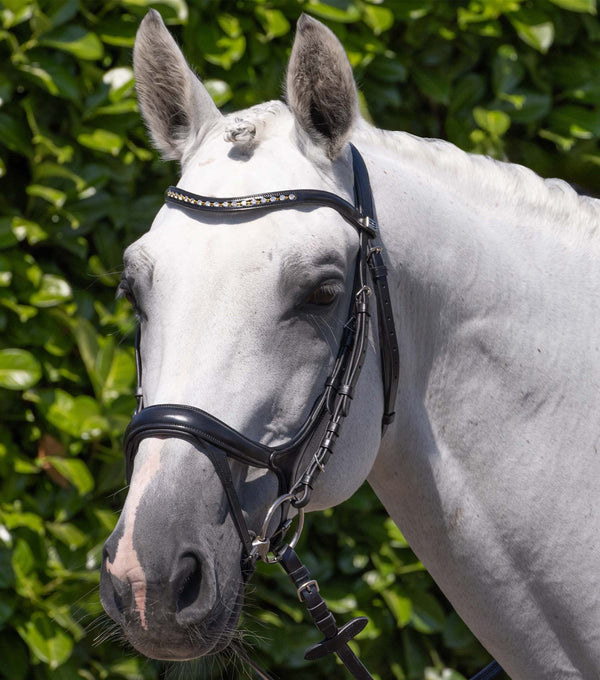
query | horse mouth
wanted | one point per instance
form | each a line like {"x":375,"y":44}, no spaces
{"x":211,"y":636}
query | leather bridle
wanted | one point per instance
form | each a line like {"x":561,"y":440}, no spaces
{"x":218,"y":440}
{"x":321,"y":429}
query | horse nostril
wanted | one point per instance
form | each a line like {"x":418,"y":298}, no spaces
{"x":118,"y":601}
{"x":188,"y":582}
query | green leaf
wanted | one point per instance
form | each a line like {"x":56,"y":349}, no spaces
{"x":400,"y":606}
{"x":76,"y":471}
{"x":7,"y":236}
{"x":468,"y":91}
{"x":53,"y":77}
{"x":54,"y":196}
{"x":507,"y":70}
{"x":179,"y":7}
{"x":67,"y":533}
{"x":388,"y":69}
{"x":588,"y":6}
{"x":75,"y":40}
{"x":434,"y":84}
{"x":26,"y":229}
{"x":53,"y":291}
{"x":114,"y":31}
{"x":47,"y":641}
{"x":379,"y":18}
{"x":273,"y":21}
{"x":230,"y":25}
{"x":411,"y":9}
{"x":121,"y":377}
{"x":19,"y":369}
{"x":219,"y":90}
{"x":231,"y":50}
{"x":97,"y":354}
{"x":120,"y":81}
{"x":455,"y":634}
{"x":427,"y":615}
{"x":534,"y":28}
{"x":102,"y":140}
{"x":14,"y":135}
{"x":343,"y":11}
{"x":77,"y":416}
{"x":576,"y":121}
{"x":22,"y":560}
{"x":416,"y":658}
{"x":494,"y":122}
{"x":30,"y":520}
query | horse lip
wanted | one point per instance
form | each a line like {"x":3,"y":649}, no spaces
{"x":190,"y":641}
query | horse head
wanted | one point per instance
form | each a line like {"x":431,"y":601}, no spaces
{"x":241,"y":317}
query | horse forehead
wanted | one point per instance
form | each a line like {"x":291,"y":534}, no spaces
{"x":182,"y":244}
{"x":221,"y":168}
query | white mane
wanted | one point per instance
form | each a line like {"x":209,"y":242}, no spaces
{"x":506,"y":187}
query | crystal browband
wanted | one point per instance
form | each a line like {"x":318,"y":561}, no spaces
{"x":229,"y":203}
{"x":273,"y":200}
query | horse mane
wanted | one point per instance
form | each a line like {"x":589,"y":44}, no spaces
{"x":510,"y":188}
{"x":507,"y":187}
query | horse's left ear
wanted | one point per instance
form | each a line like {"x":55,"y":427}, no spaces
{"x":320,"y":86}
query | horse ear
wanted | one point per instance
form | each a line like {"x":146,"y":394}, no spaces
{"x":320,"y":86}
{"x":174,"y":103}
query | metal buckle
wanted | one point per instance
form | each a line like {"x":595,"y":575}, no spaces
{"x":369,"y":225}
{"x":306,"y":586}
{"x":260,"y":549}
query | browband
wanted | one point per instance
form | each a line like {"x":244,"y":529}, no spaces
{"x":274,"y":200}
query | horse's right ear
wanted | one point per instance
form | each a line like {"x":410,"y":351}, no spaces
{"x":174,"y":103}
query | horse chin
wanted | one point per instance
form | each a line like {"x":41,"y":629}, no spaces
{"x":185,"y":643}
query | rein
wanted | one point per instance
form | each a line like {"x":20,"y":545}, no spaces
{"x":219,"y":442}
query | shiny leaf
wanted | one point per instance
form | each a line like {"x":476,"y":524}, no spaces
{"x":19,"y":369}
{"x":48,"y":642}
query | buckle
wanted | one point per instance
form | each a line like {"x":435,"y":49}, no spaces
{"x":369,"y":225}
{"x":260,"y":549}
{"x":307,"y":586}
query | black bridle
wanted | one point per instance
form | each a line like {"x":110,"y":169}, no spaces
{"x":218,"y":440}
{"x":320,"y":430}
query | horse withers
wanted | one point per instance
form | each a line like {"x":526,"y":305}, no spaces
{"x":490,"y":467}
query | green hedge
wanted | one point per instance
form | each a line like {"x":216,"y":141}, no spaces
{"x":510,"y":78}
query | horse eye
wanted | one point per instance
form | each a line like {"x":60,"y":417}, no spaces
{"x":323,"y":296}
{"x":124,"y":290}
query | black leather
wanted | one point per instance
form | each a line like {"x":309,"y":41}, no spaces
{"x":336,"y":639}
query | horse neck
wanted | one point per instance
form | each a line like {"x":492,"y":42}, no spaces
{"x":492,"y":448}
{"x":474,"y":264}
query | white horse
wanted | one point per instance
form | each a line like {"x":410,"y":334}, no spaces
{"x":491,"y":468}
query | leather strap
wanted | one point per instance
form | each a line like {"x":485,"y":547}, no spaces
{"x":336,"y":639}
{"x":288,"y":198}
{"x":388,"y":340}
